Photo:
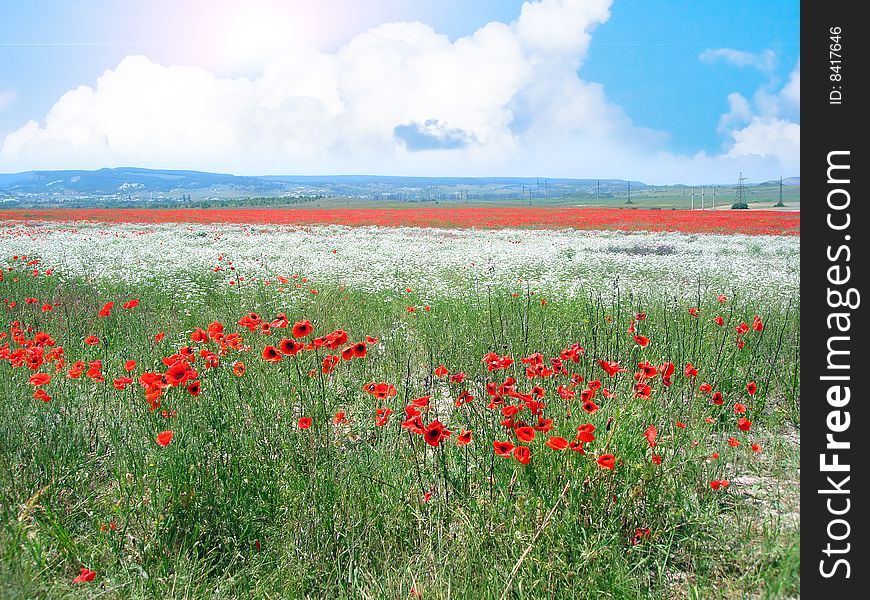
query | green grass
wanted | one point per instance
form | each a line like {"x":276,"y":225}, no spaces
{"x":338,"y":511}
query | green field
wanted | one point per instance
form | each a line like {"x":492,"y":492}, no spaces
{"x":243,"y":502}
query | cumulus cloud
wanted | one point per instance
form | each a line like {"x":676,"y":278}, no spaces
{"x":764,"y":61}
{"x":767,"y":126}
{"x":399,"y":94}
{"x":397,"y":99}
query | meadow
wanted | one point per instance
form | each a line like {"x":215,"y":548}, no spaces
{"x":303,"y":410}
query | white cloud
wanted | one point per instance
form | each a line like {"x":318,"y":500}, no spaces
{"x":396,"y":99}
{"x":767,"y":127}
{"x":769,"y":137}
{"x":763,"y":61}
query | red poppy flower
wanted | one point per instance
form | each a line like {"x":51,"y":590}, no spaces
{"x":525,"y":434}
{"x":647,"y":370}
{"x":464,"y":437}
{"x":590,"y":407}
{"x":740,"y":343}
{"x":640,"y":534}
{"x":642,"y":391}
{"x":722,"y":298}
{"x":414,"y":424}
{"x":164,"y":437}
{"x":360,"y":349}
{"x":742,"y":328}
{"x":464,"y":398}
{"x":304,"y":423}
{"x":121,"y":382}
{"x":346,"y":353}
{"x":751,"y":388}
{"x":733,"y":442}
{"x":719,"y":321}
{"x":755,"y":448}
{"x":280,"y":321}
{"x":690,"y":371}
{"x":441,"y":371}
{"x":557,"y":443}
{"x":45,"y":307}
{"x":42,"y":395}
{"x":290,"y":347}
{"x":641,"y":340}
{"x":85,"y":576}
{"x":382,"y":416}
{"x":271,"y":354}
{"x":640,"y":317}
{"x":92,"y":340}
{"x":650,"y":435}
{"x":544,"y":425}
{"x":130,"y":365}
{"x":743,"y":424}
{"x":199,"y":336}
{"x":239,"y":368}
{"x":611,"y":367}
{"x":302,"y":329}
{"x":131,"y":304}
{"x":717,"y":399}
{"x":383,"y":390}
{"x":586,"y":429}
{"x":606,"y":461}
{"x":757,"y":325}
{"x":503,"y":448}
{"x":656,"y":459}
{"x":680,"y":425}
{"x":159,"y":337}
{"x":693,"y":311}
{"x":329,"y":363}
{"x":705,"y":387}
{"x":739,"y":409}
{"x":411,"y":309}
{"x":435,"y":432}
{"x":336,"y":339}
{"x":715,"y":456}
{"x":522,"y":454}
{"x":107,"y":309}
{"x":457,"y":378}
{"x":38,"y":379}
{"x":339,"y":418}
{"x":194,"y":388}
{"x":577,"y":447}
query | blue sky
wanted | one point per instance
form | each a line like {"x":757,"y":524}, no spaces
{"x":646,"y":89}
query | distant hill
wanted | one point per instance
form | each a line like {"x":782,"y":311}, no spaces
{"x":138,"y":184}
{"x":130,"y":186}
{"x":785,"y":181}
{"x":129,"y":180}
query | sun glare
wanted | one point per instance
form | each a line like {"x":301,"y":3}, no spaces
{"x":246,"y":36}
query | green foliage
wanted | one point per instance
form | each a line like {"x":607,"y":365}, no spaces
{"x":243,"y":503}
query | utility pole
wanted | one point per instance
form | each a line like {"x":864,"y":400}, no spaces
{"x":741,"y":197}
{"x":702,"y":198}
{"x":693,"y":198}
{"x":714,"y":197}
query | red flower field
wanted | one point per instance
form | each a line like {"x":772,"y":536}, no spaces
{"x":726,"y":222}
